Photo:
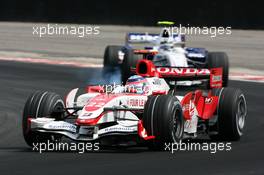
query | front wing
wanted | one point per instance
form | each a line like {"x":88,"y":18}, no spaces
{"x":82,"y":133}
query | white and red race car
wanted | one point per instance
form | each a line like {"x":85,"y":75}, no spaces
{"x":145,"y":110}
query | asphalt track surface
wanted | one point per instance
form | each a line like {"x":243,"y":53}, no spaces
{"x":19,"y":80}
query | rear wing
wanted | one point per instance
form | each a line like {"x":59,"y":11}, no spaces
{"x":146,"y":68}
{"x":137,"y":38}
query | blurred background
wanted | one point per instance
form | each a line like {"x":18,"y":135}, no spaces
{"x":237,"y":14}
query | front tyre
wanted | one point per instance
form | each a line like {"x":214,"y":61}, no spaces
{"x":41,"y":104}
{"x":163,"y":118}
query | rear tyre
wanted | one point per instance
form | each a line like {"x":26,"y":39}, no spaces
{"x":232,"y":111}
{"x":41,"y":104}
{"x":219,"y":59}
{"x":111,"y":56}
{"x":130,"y":61}
{"x":163,"y":118}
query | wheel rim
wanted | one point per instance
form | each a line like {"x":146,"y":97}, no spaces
{"x":177,"y":126}
{"x":241,"y":114}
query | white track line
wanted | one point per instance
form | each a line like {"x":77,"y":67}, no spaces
{"x":51,"y":62}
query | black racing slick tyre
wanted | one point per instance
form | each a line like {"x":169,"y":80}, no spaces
{"x":219,"y":59}
{"x":130,"y":61}
{"x":111,"y":57}
{"x":163,"y":118}
{"x":41,"y":104}
{"x":232,"y":111}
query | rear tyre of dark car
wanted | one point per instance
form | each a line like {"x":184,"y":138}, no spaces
{"x":111,"y":56}
{"x":130,"y":61}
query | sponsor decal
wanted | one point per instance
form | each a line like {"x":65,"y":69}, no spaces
{"x":99,"y":102}
{"x":157,"y":82}
{"x":119,"y":129}
{"x":208,"y":100}
{"x":94,"y":105}
{"x":216,"y":78}
{"x":143,"y":37}
{"x":185,"y":107}
{"x":190,"y":107}
{"x":197,"y":55}
{"x":182,"y":71}
{"x":64,"y":126}
{"x":87,"y":114}
{"x":136,"y":102}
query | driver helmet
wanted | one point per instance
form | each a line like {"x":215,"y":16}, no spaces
{"x":137,"y":84}
{"x":165,"y":35}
